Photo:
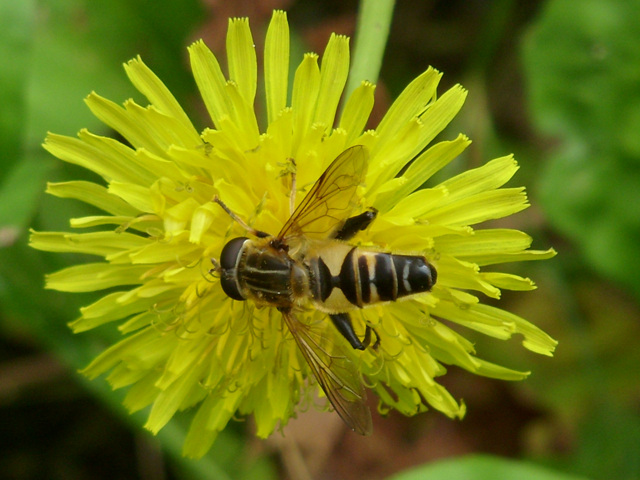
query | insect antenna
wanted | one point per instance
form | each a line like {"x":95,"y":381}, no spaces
{"x":216,"y":270}
{"x":242,"y":223}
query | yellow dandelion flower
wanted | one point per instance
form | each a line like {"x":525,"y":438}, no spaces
{"x":186,"y":343}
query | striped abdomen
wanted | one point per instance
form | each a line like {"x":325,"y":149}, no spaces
{"x":364,"y":277}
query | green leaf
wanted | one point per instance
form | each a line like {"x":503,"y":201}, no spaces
{"x":607,"y":443}
{"x":16,"y":32}
{"x":80,"y":46}
{"x":583,"y":70}
{"x":482,"y":467}
{"x":20,"y":191}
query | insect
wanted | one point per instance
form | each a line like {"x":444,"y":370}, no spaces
{"x":311,"y":262}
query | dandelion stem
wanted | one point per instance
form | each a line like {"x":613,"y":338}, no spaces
{"x":372,"y":30}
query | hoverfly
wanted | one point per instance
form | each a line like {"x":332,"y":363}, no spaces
{"x":310,"y":261}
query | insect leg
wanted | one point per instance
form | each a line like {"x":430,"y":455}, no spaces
{"x":252,"y":231}
{"x":366,"y":341}
{"x":355,"y":224}
{"x":342,"y":321}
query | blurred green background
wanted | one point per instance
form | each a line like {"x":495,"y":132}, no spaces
{"x":556,"y":82}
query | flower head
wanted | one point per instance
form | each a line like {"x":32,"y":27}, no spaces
{"x":186,"y":344}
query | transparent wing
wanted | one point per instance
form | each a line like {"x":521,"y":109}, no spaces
{"x":336,"y":374}
{"x":330,"y":200}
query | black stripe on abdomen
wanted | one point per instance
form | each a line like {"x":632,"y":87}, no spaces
{"x":323,"y":281}
{"x":347,"y":279}
{"x":385,"y":277}
{"x":414,"y":274}
{"x":365,"y":281}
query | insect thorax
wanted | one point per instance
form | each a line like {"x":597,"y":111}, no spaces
{"x":270,"y":277}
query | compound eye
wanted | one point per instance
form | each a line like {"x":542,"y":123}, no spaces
{"x":229,"y":258}
{"x":230,"y":286}
{"x":231,"y":253}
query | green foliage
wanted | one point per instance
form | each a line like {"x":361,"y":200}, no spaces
{"x":16,"y":24}
{"x":583,"y":69}
{"x":481,"y":467}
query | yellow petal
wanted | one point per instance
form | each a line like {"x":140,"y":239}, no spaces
{"x":164,"y":130}
{"x":135,"y":195}
{"x":156,"y":92}
{"x":414,"y":205}
{"x":491,"y":370}
{"x":492,"y":175}
{"x":170,"y":399}
{"x":202,"y":219}
{"x":500,"y":257}
{"x":388,"y":158}
{"x":89,"y":277}
{"x":333,"y":77}
{"x":306,"y":84}
{"x":177,"y":218}
{"x":508,"y":281}
{"x":210,"y":80}
{"x":410,"y":103}
{"x":110,"y":308}
{"x":241,"y":56}
{"x":276,"y":64}
{"x":480,"y":207}
{"x":424,"y":166}
{"x":105,"y":156}
{"x":440,"y":113}
{"x":484,"y":242}
{"x":244,"y":117}
{"x":92,"y":194}
{"x":486,"y":324}
{"x":455,"y":273}
{"x":114,"y":354}
{"x":120,"y":120}
{"x":357,"y":110}
{"x":157,"y":252}
{"x":142,"y":392}
{"x":95,"y":243}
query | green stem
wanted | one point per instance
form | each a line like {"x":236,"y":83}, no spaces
{"x":372,"y":30}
